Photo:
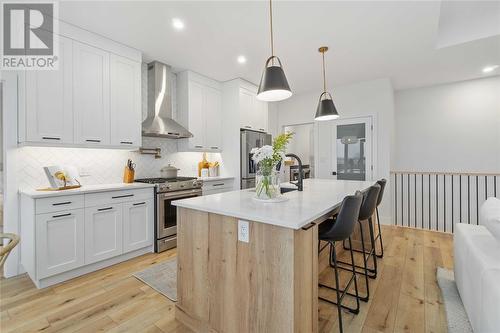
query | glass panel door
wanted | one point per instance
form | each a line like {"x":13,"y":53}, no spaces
{"x":352,"y":149}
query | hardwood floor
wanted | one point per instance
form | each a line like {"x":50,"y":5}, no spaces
{"x":404,"y":297}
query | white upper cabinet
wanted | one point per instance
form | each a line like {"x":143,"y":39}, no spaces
{"x":199,"y":109}
{"x":253,"y":113}
{"x":93,"y":99}
{"x":49,"y":116}
{"x":196,"y":123}
{"x":213,"y":119}
{"x":91,"y":94}
{"x":125,"y":102}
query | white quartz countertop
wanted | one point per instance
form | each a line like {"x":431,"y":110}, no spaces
{"x":85,"y":189}
{"x":319,"y":197}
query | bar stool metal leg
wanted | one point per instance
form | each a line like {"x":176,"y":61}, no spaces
{"x":340,"y":293}
{"x":379,"y":237}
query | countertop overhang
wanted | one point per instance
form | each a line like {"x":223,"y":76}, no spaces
{"x":319,"y":197}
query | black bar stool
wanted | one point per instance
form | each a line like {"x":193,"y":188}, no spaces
{"x":337,"y":229}
{"x":365,"y":214}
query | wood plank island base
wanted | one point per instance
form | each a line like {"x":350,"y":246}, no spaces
{"x":268,"y":284}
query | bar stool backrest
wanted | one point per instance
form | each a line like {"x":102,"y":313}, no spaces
{"x":369,"y":202}
{"x":346,"y":218}
{"x":382,"y":183}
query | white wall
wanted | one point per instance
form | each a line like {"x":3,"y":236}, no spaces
{"x":372,"y":98}
{"x":452,"y":127}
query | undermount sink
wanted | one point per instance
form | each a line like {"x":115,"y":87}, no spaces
{"x":287,"y":189}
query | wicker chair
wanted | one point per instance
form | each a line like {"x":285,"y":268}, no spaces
{"x":5,"y":250}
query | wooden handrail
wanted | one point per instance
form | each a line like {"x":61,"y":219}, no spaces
{"x":445,"y":173}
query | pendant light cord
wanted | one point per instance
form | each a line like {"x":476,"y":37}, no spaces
{"x":271,"y":20}
{"x":324,"y":75}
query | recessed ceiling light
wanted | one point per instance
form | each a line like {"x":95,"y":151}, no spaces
{"x":489,"y":69}
{"x":241,"y":59}
{"x":177,"y":24}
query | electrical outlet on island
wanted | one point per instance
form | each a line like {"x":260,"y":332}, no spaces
{"x":243,"y":231}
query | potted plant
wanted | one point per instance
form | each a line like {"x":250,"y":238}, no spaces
{"x":267,"y":158}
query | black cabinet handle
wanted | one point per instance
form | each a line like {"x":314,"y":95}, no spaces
{"x":263,"y":130}
{"x":248,"y":126}
{"x":334,"y":173}
{"x":123,"y":196}
{"x":61,"y":215}
{"x":93,"y":140}
{"x":103,"y":209}
{"x":214,"y":147}
{"x":50,"y":138}
{"x":197,"y":146}
{"x":220,"y":184}
{"x":126,"y":142}
{"x":139,"y":203}
{"x":61,"y":203}
{"x":173,"y":133}
{"x":309,"y":226}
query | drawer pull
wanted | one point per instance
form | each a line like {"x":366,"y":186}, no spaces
{"x":248,"y":126}
{"x":103,"y":209}
{"x":174,"y":133}
{"x":123,"y":196}
{"x":263,"y":130}
{"x":309,"y":226}
{"x":197,"y":146}
{"x":50,"y":138}
{"x":126,"y":142}
{"x":61,"y":203}
{"x":61,"y":215}
{"x":93,"y":140}
{"x":220,"y":184}
{"x":214,"y":147}
{"x":139,"y":203}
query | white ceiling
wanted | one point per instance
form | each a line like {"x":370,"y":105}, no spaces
{"x":367,"y":40}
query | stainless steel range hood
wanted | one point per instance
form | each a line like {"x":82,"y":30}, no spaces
{"x":159,"y":122}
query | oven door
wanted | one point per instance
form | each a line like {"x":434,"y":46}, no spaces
{"x":167,"y":213}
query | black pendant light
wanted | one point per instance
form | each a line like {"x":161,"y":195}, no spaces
{"x":326,"y":109}
{"x":273,"y":85}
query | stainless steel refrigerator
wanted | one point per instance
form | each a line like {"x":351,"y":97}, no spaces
{"x":250,"y":140}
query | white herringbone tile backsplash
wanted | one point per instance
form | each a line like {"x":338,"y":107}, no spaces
{"x":105,"y":166}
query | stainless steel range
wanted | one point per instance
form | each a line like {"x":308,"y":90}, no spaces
{"x":168,"y":190}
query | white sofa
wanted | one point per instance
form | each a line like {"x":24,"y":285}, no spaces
{"x":477,"y":274}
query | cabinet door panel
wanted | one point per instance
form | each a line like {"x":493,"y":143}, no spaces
{"x":49,"y":113}
{"x":246,"y":109}
{"x":103,"y":233}
{"x":125,"y":101}
{"x":138,"y":219}
{"x":91,"y":94}
{"x":261,"y":115}
{"x":213,"y":118}
{"x":59,"y":242}
{"x":196,"y":124}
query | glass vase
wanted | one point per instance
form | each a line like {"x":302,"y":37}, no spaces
{"x":267,"y":185}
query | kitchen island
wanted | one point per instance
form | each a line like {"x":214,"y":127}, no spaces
{"x":264,"y":279}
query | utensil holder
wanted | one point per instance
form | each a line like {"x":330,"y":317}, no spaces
{"x":128,"y":175}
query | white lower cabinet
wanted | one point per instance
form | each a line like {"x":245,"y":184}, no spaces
{"x":69,"y":235}
{"x":137,"y":231}
{"x":103,"y":232}
{"x":59,"y":242}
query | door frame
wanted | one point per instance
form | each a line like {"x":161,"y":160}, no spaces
{"x":333,"y":161}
